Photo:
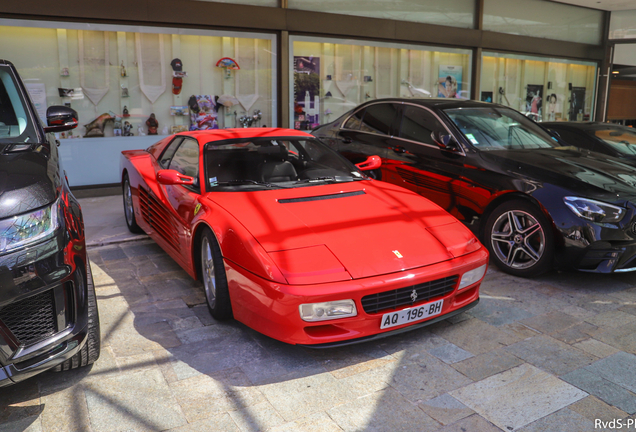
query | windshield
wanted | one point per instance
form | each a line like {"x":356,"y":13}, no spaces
{"x":497,"y":128}
{"x":621,"y":139}
{"x":262,"y":163}
{"x":15,"y":123}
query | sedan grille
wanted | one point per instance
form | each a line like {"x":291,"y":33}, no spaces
{"x":31,"y":319}
{"x":405,"y":296}
{"x":158,"y":218}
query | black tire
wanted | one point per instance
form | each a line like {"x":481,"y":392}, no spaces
{"x":213,"y":277}
{"x":91,"y":349}
{"x":526,"y":250}
{"x":129,"y":211}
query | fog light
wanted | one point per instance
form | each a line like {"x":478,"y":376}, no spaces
{"x":328,"y":310}
{"x":472,"y":276}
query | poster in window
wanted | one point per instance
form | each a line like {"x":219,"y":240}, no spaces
{"x":486,"y":96}
{"x":203,"y":114}
{"x":37,"y":91}
{"x":534,"y":101}
{"x":306,"y":92}
{"x":577,"y":103}
{"x":449,"y":81}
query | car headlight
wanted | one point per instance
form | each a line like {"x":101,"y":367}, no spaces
{"x":595,"y":211}
{"x":23,"y":229}
{"x":472,"y":276}
{"x":328,"y":310}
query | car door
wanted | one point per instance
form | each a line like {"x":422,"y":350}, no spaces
{"x":417,"y":162}
{"x":184,"y":198}
{"x":369,"y":131}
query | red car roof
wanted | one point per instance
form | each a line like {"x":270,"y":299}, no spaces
{"x":206,"y":136}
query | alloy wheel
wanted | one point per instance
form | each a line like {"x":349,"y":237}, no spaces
{"x":518,"y":239}
{"x":207,"y":265}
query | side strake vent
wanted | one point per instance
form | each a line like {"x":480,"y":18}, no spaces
{"x":321,"y":197}
{"x":156,"y":216}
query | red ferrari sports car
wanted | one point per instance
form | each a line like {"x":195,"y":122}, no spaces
{"x":293,"y":240}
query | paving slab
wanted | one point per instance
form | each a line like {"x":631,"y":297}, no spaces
{"x":382,"y":411}
{"x":550,"y":354}
{"x":596,"y":348}
{"x":618,"y":368}
{"x":593,"y":408}
{"x":564,"y":419}
{"x":472,"y":423}
{"x":517,"y":397}
{"x":551,"y":322}
{"x":318,"y":422}
{"x":603,"y":389}
{"x":498,"y":312}
{"x":487,"y":364}
{"x":259,"y":417}
{"x":445,"y":409}
{"x":221,"y":422}
{"x":475,"y":336}
{"x":133,"y":401}
{"x":450,"y":353}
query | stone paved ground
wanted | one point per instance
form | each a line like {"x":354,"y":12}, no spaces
{"x":548,"y":354}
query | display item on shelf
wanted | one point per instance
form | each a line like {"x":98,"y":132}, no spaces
{"x":152,"y":124}
{"x":96,"y":127}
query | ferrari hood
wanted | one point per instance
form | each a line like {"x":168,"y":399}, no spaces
{"x":360,"y":228}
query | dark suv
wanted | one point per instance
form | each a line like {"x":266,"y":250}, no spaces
{"x":48,"y":310}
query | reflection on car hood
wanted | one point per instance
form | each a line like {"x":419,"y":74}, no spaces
{"x":371,"y":228}
{"x":570,"y":168}
{"x":27,"y":182}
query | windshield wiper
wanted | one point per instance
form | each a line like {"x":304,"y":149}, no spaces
{"x":328,"y":179}
{"x":247,"y":181}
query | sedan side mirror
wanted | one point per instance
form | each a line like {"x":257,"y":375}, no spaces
{"x":372,"y":162}
{"x":445,"y":141}
{"x":60,"y":118}
{"x":173,"y":177}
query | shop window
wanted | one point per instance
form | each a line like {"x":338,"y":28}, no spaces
{"x":543,"y":89}
{"x":455,"y":13}
{"x":623,"y":24}
{"x":331,"y":77}
{"x":544,"y":19}
{"x":131,"y":84}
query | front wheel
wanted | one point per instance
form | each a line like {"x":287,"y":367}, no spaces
{"x":519,"y":238}
{"x":90,"y":351}
{"x":214,"y":278}
{"x":129,"y":210}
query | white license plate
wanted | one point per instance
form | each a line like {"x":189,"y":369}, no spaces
{"x":410,"y":315}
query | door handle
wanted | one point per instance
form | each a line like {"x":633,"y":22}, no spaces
{"x":347,"y":140}
{"x":399,"y":149}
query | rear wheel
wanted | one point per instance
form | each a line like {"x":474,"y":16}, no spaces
{"x":214,"y":278}
{"x":90,"y":351}
{"x":129,"y":210}
{"x":519,"y":238}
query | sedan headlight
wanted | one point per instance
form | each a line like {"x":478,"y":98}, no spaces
{"x":328,"y":310}
{"x":595,"y":211}
{"x":472,"y":276}
{"x":23,"y":229}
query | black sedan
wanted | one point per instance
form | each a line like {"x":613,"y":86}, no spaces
{"x":48,"y":309}
{"x":534,"y":202}
{"x":610,"y":139}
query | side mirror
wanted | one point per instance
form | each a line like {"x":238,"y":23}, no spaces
{"x":60,"y":118}
{"x":371,"y":163}
{"x":172,"y":177}
{"x":445,"y":141}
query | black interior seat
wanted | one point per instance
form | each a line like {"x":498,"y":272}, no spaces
{"x":275,"y":166}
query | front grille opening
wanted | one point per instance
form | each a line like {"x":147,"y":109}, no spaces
{"x":31,"y":319}
{"x":400,"y":297}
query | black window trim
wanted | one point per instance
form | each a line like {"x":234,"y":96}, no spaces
{"x":191,"y":188}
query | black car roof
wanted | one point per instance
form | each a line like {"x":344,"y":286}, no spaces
{"x":581,"y":125}
{"x":439,"y":103}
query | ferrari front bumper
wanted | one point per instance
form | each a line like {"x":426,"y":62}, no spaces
{"x":273,"y":309}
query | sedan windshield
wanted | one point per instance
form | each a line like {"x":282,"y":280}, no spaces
{"x":496,"y":128}
{"x":262,"y":163}
{"x":16,"y":125}
{"x":621,"y":139}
